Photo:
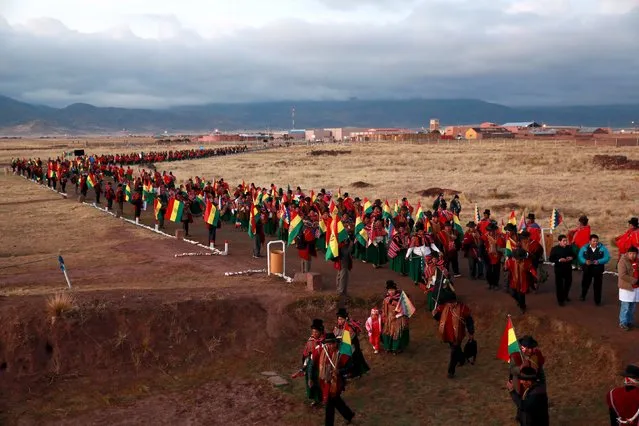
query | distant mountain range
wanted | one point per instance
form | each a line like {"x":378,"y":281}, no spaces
{"x":19,"y":118}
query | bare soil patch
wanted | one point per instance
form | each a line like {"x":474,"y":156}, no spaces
{"x":434,"y":192}
{"x":331,"y":153}
{"x":615,"y":162}
{"x":361,"y":184}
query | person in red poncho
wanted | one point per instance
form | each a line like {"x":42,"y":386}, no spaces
{"x":579,"y":237}
{"x":521,"y":277}
{"x":306,"y":248}
{"x":630,"y":238}
{"x":623,"y":401}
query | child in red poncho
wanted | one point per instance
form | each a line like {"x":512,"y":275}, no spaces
{"x":374,"y":329}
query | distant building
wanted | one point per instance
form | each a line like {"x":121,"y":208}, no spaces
{"x":318,"y":135}
{"x":297,"y":134}
{"x":521,"y":126}
{"x":487,"y":124}
{"x":434,"y":125}
{"x":476,"y":133}
{"x":591,"y":131}
{"x":459,"y":131}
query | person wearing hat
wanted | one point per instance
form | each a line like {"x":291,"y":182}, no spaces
{"x":630,"y":238}
{"x":395,"y":334}
{"x":358,"y":365}
{"x":310,"y":357}
{"x":529,"y":356}
{"x":447,"y":240}
{"x":306,"y":246}
{"x":454,"y":319}
{"x":532,"y":401}
{"x":119,"y":199}
{"x":623,"y":401}
{"x":376,"y":252}
{"x":593,"y":258}
{"x":470,"y":246}
{"x":533,"y":228}
{"x":421,"y":245}
{"x":484,"y":222}
{"x":562,"y":256}
{"x":455,"y":205}
{"x":521,"y":276}
{"x":628,"y":283}
{"x":437,"y":278}
{"x":533,"y":248}
{"x":579,"y":237}
{"x":397,"y":249}
{"x":439,"y":201}
{"x":331,"y":369}
{"x":494,"y":245}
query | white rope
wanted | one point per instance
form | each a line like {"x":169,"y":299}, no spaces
{"x":247,"y":272}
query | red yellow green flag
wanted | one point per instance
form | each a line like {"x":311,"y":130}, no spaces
{"x":419,"y":213}
{"x":127,"y":192}
{"x":253,"y":218}
{"x":295,"y":227}
{"x":91,"y":180}
{"x":458,"y":227}
{"x":174,"y":210}
{"x":512,"y":218}
{"x":157,"y":205}
{"x":368,"y":206}
{"x":509,"y":344}
{"x":346,"y":345}
{"x":211,"y":214}
{"x":332,"y":246}
{"x":360,"y":231}
{"x":386,"y":211}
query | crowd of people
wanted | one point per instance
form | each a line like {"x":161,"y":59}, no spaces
{"x":424,"y":245}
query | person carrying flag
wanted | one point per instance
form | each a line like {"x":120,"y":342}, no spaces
{"x":454,"y":320}
{"x":395,"y":334}
{"x":310,"y":358}
{"x":331,"y":369}
{"x":358,"y":365}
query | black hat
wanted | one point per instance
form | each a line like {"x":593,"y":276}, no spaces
{"x":330,"y":338}
{"x":633,"y":249}
{"x":631,"y":371}
{"x":510,"y":227}
{"x":317,"y":324}
{"x":419,"y":226}
{"x":524,"y":234}
{"x":634,"y":221}
{"x":583,"y":219}
{"x":528,"y":342}
{"x":531,"y":216}
{"x":491,"y":227}
{"x":357,"y":199}
{"x":487,"y":212}
{"x":448,"y":224}
{"x":520,"y":253}
{"x":471,"y":224}
{"x":341,"y":312}
{"x":390,"y":284}
{"x":528,"y":373}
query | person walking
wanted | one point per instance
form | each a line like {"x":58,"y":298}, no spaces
{"x":532,"y":402}
{"x":593,"y":257}
{"x":623,"y":401}
{"x":628,"y":283}
{"x":562,"y":255}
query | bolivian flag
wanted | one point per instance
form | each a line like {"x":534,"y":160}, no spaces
{"x":211,"y":214}
{"x":509,"y":248}
{"x":360,"y":231}
{"x":346,"y":346}
{"x":127,"y":192}
{"x":147,"y":190}
{"x":509,"y":344}
{"x":332,"y":245}
{"x":157,"y":205}
{"x":419,"y":213}
{"x":174,"y":210}
{"x":512,"y":218}
{"x":253,"y":218}
{"x":458,"y":227}
{"x":295,"y":227}
{"x":386,"y":211}
{"x":368,"y":207}
{"x":91,"y":180}
{"x":396,"y":208}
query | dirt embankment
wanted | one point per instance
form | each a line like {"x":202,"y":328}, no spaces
{"x":615,"y":162}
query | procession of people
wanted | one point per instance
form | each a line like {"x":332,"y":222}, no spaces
{"x":422,"y":245}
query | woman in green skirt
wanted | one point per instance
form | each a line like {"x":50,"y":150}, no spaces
{"x":376,"y":250}
{"x":421,"y":246}
{"x":395,"y":334}
{"x":397,"y":251}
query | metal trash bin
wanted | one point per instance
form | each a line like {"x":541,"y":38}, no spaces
{"x":277,"y":262}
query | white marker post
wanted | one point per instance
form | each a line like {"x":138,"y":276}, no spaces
{"x":64,"y":270}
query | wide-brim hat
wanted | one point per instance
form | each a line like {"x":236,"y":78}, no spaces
{"x":528,"y":342}
{"x":531,"y":216}
{"x":341,"y":312}
{"x":491,"y":227}
{"x":631,"y":371}
{"x":510,"y":227}
{"x":317,"y":324}
{"x":390,"y":284}
{"x":330,"y":338}
{"x":528,"y":373}
{"x":583,"y":219}
{"x":471,"y":224}
{"x":487,"y":212}
{"x":634,"y":221}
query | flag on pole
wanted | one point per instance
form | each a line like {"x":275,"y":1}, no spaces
{"x":367,"y":206}
{"x":512,"y":219}
{"x":295,"y":227}
{"x":346,"y":346}
{"x":157,"y":205}
{"x":458,"y":227}
{"x":404,"y":306}
{"x":476,"y":214}
{"x":91,"y":180}
{"x":419,"y":212}
{"x":556,"y":219}
{"x":509,"y":344}
{"x":174,"y":210}
{"x":211,"y":214}
{"x":522,"y":223}
{"x":386,"y":211}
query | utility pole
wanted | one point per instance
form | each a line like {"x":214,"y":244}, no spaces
{"x":293,"y":118}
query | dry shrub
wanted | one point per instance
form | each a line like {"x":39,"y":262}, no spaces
{"x":493,"y":193}
{"x":60,"y":304}
{"x":434,"y":192}
{"x":332,"y":153}
{"x":360,"y":184}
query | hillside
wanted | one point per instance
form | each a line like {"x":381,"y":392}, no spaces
{"x":19,"y":118}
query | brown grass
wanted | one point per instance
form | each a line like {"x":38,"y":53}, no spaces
{"x":60,"y":304}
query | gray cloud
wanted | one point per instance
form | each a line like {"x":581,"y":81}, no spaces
{"x":441,"y":50}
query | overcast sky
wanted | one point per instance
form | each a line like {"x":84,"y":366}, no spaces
{"x":146,"y":53}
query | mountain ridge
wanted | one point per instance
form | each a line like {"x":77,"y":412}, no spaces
{"x":16,"y":116}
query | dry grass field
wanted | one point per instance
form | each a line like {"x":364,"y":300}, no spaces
{"x":154,"y":339}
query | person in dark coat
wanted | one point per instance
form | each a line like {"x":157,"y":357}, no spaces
{"x":562,"y":256}
{"x":532,"y":403}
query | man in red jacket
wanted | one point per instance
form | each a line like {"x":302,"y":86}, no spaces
{"x":306,"y":248}
{"x":454,"y":319}
{"x":623,"y":401}
{"x":630,"y":238}
{"x":579,"y":237}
